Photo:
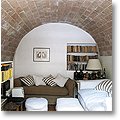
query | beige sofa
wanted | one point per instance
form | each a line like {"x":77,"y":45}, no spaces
{"x":48,"y":92}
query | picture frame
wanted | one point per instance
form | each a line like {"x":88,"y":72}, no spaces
{"x":41,"y":54}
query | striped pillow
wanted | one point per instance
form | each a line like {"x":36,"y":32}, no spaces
{"x":49,"y":80}
{"x":105,"y":85}
{"x":28,"y":80}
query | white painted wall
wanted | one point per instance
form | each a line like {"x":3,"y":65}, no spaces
{"x":54,"y":36}
{"x":107,"y":64}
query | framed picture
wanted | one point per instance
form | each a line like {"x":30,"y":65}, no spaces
{"x":41,"y":54}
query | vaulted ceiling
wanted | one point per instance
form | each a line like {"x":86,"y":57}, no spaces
{"x":18,"y":17}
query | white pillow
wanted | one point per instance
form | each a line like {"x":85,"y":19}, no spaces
{"x":38,"y":80}
{"x":60,"y":80}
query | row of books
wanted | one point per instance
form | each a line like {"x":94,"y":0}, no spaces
{"x":82,"y":49}
{"x":72,"y":66}
{"x":72,"y":58}
{"x":6,"y":72}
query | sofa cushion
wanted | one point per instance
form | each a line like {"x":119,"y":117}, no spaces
{"x":28,"y":80}
{"x":45,"y":90}
{"x":49,"y":80}
{"x":38,"y":80}
{"x":60,"y":80}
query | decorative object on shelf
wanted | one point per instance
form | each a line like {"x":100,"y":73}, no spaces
{"x":93,"y":75}
{"x":80,"y":53}
{"x":80,"y":75}
{"x":104,"y":74}
{"x":94,"y":65}
{"x":41,"y":54}
{"x":99,"y":74}
{"x":90,"y":76}
{"x":76,"y":75}
{"x":86,"y":76}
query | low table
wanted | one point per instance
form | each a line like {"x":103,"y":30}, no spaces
{"x":19,"y":101}
{"x":10,"y":106}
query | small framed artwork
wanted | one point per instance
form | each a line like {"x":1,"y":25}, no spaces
{"x":41,"y":54}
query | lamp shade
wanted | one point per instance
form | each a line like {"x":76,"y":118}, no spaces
{"x":94,"y":64}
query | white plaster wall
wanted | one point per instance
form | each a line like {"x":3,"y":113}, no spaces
{"x":54,"y":36}
{"x":107,"y":64}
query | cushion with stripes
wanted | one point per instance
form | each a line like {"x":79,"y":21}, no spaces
{"x":28,"y":80}
{"x":49,"y":80}
{"x":105,"y":85}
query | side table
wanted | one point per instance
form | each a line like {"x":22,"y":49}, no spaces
{"x":19,"y":101}
{"x":10,"y":106}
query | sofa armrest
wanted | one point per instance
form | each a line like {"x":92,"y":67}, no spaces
{"x":17,"y":82}
{"x":71,"y":86}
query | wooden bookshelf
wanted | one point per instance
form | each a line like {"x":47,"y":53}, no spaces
{"x":79,"y":54}
{"x":7,"y":72}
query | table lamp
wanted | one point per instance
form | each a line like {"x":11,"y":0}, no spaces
{"x":94,"y":65}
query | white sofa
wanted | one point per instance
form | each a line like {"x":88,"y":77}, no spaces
{"x":92,"y":99}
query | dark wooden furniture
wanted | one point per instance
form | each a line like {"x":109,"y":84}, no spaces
{"x":18,"y":101}
{"x":15,"y":104}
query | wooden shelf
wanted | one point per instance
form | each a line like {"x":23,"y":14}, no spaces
{"x":6,"y":62}
{"x":82,"y":54}
{"x":79,"y":54}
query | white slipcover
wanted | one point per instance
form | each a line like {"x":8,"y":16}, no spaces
{"x":68,"y":104}
{"x":36,"y":104}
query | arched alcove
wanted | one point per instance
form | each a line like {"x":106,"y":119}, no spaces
{"x":54,"y":36}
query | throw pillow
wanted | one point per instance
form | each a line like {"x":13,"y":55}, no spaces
{"x":110,"y":93}
{"x":60,"y":80}
{"x":105,"y":85}
{"x":38,"y":80}
{"x":49,"y":80}
{"x":28,"y":80}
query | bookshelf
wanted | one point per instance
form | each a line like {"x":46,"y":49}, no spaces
{"x":78,"y":55}
{"x":6,"y":71}
{"x":7,"y":74}
{"x":6,"y":81}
